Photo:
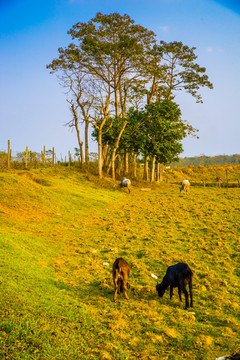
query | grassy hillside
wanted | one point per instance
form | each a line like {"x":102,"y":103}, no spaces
{"x":57,"y":229}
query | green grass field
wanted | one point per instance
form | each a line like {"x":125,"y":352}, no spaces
{"x":58,"y":228}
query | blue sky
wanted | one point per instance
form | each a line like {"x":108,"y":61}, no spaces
{"x":33,"y":109}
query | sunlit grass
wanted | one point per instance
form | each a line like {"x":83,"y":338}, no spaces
{"x":57,"y":229}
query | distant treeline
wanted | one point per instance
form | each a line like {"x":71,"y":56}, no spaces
{"x":207,"y":160}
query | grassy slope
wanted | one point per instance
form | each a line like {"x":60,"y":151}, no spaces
{"x":56,"y":231}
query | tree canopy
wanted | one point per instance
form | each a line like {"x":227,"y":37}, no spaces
{"x":113,"y":64}
{"x":157,"y":130}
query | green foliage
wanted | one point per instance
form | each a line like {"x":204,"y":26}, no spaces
{"x":32,"y":156}
{"x":114,"y":64}
{"x":180,"y":71}
{"x":165,"y":130}
{"x":93,"y":157}
{"x":108,"y":48}
{"x":155,"y":131}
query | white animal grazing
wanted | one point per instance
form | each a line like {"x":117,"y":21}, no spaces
{"x":125,"y":183}
{"x":229,"y":357}
{"x":185,"y":186}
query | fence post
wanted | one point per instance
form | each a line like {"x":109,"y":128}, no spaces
{"x":9,"y":155}
{"x":69,"y":159}
{"x":53,"y":156}
{"x":44,"y":154}
{"x":219,"y":182}
{"x":26,"y":159}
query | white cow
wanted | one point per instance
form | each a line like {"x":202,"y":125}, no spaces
{"x":185,"y":186}
{"x":125,"y":183}
{"x":229,"y":357}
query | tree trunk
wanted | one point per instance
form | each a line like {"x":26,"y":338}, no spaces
{"x":80,"y":143}
{"x":105,"y":153}
{"x":135,"y":165}
{"x":158,"y":172}
{"x":159,"y":176}
{"x":116,"y":102}
{"x":100,"y":158}
{"x":153,"y":168}
{"x":150,"y":96}
{"x":145,"y":176}
{"x":81,"y":154}
{"x":112,"y":164}
{"x":86,"y":142}
{"x":126,"y":162}
{"x":119,"y":165}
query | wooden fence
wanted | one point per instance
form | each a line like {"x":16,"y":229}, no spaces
{"x":26,"y":159}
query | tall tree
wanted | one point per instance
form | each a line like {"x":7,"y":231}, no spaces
{"x":110,"y":49}
{"x":120,"y":65}
{"x":171,"y":68}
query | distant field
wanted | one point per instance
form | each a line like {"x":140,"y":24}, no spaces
{"x":58,"y":227}
{"x":229,"y":174}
